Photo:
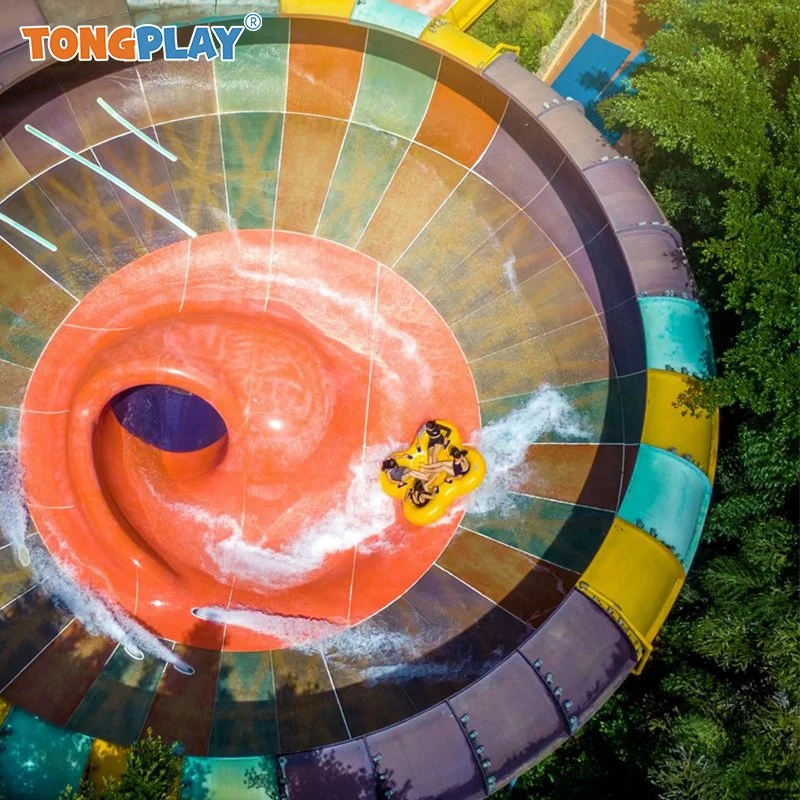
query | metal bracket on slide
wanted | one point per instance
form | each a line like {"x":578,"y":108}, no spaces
{"x":499,"y":49}
{"x":283,"y":781}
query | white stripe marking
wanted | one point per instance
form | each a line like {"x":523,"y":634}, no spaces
{"x":118,"y":182}
{"x":135,"y":131}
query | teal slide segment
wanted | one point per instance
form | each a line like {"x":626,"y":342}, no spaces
{"x":384,"y":14}
{"x":668,"y":497}
{"x":38,"y":760}
{"x":677,"y":336}
{"x":389,"y":64}
{"x":228,"y":778}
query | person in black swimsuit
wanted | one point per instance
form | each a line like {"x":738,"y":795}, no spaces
{"x":399,"y":474}
{"x":460,"y":462}
{"x":419,"y":494}
{"x":438,"y":437}
{"x":456,"y":468}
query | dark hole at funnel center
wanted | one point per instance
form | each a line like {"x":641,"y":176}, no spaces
{"x":168,"y":418}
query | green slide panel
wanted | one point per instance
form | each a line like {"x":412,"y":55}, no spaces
{"x":392,"y":65}
{"x":38,"y":760}
{"x":677,"y":336}
{"x":668,"y":497}
{"x":256,"y":79}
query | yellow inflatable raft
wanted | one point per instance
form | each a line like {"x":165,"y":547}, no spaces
{"x":432,"y":473}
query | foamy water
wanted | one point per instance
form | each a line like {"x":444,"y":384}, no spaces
{"x":97,"y":614}
{"x":504,"y":444}
{"x":295,"y":631}
{"x":337,"y":320}
{"x":511,"y":275}
{"x":13,"y":514}
{"x":361,"y":519}
{"x":350,"y":319}
{"x":395,"y":656}
{"x":399,"y":656}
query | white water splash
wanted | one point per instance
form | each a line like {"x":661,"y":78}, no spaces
{"x":430,"y":671}
{"x":353,"y":321}
{"x":293,"y":631}
{"x":361,"y":519}
{"x":97,"y":614}
{"x":371,"y":640}
{"x":399,"y":656}
{"x":364,"y":517}
{"x":504,"y":444}
{"x":233,"y":557}
{"x":396,"y":656}
{"x":346,"y":308}
{"x":405,"y":673}
{"x":13,"y":516}
{"x":511,"y":275}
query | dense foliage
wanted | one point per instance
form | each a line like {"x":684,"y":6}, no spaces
{"x":152,"y":770}
{"x":531,"y":24}
{"x":715,"y":127}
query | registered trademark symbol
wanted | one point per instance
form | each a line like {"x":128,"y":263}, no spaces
{"x":253,"y":21}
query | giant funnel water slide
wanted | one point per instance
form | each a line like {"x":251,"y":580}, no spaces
{"x":228,"y":290}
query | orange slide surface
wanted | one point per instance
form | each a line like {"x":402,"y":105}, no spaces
{"x":251,"y":322}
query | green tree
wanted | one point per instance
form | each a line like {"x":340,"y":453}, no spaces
{"x":152,"y":771}
{"x":714,"y":124}
{"x":530,"y":24}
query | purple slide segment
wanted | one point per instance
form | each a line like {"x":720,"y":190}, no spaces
{"x":427,"y":757}
{"x":656,"y":260}
{"x":522,"y":158}
{"x":625,"y":198}
{"x":582,"y":652}
{"x":516,"y":719}
{"x":341,"y":770}
{"x":623,"y":326}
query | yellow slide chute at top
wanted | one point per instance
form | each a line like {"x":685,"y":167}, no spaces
{"x":432,"y":473}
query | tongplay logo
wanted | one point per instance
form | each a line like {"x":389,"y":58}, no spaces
{"x":135,"y":43}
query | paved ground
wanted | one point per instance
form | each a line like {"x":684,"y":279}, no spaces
{"x":626,"y":25}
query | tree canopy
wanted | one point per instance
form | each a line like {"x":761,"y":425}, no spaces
{"x":714,"y":123}
{"x":530,"y":24}
{"x":152,"y":771}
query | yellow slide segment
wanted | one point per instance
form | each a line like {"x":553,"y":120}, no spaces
{"x":333,"y":9}
{"x":636,"y":580}
{"x":443,"y":35}
{"x":106,"y":763}
{"x":670,"y":426}
{"x":464,"y":12}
